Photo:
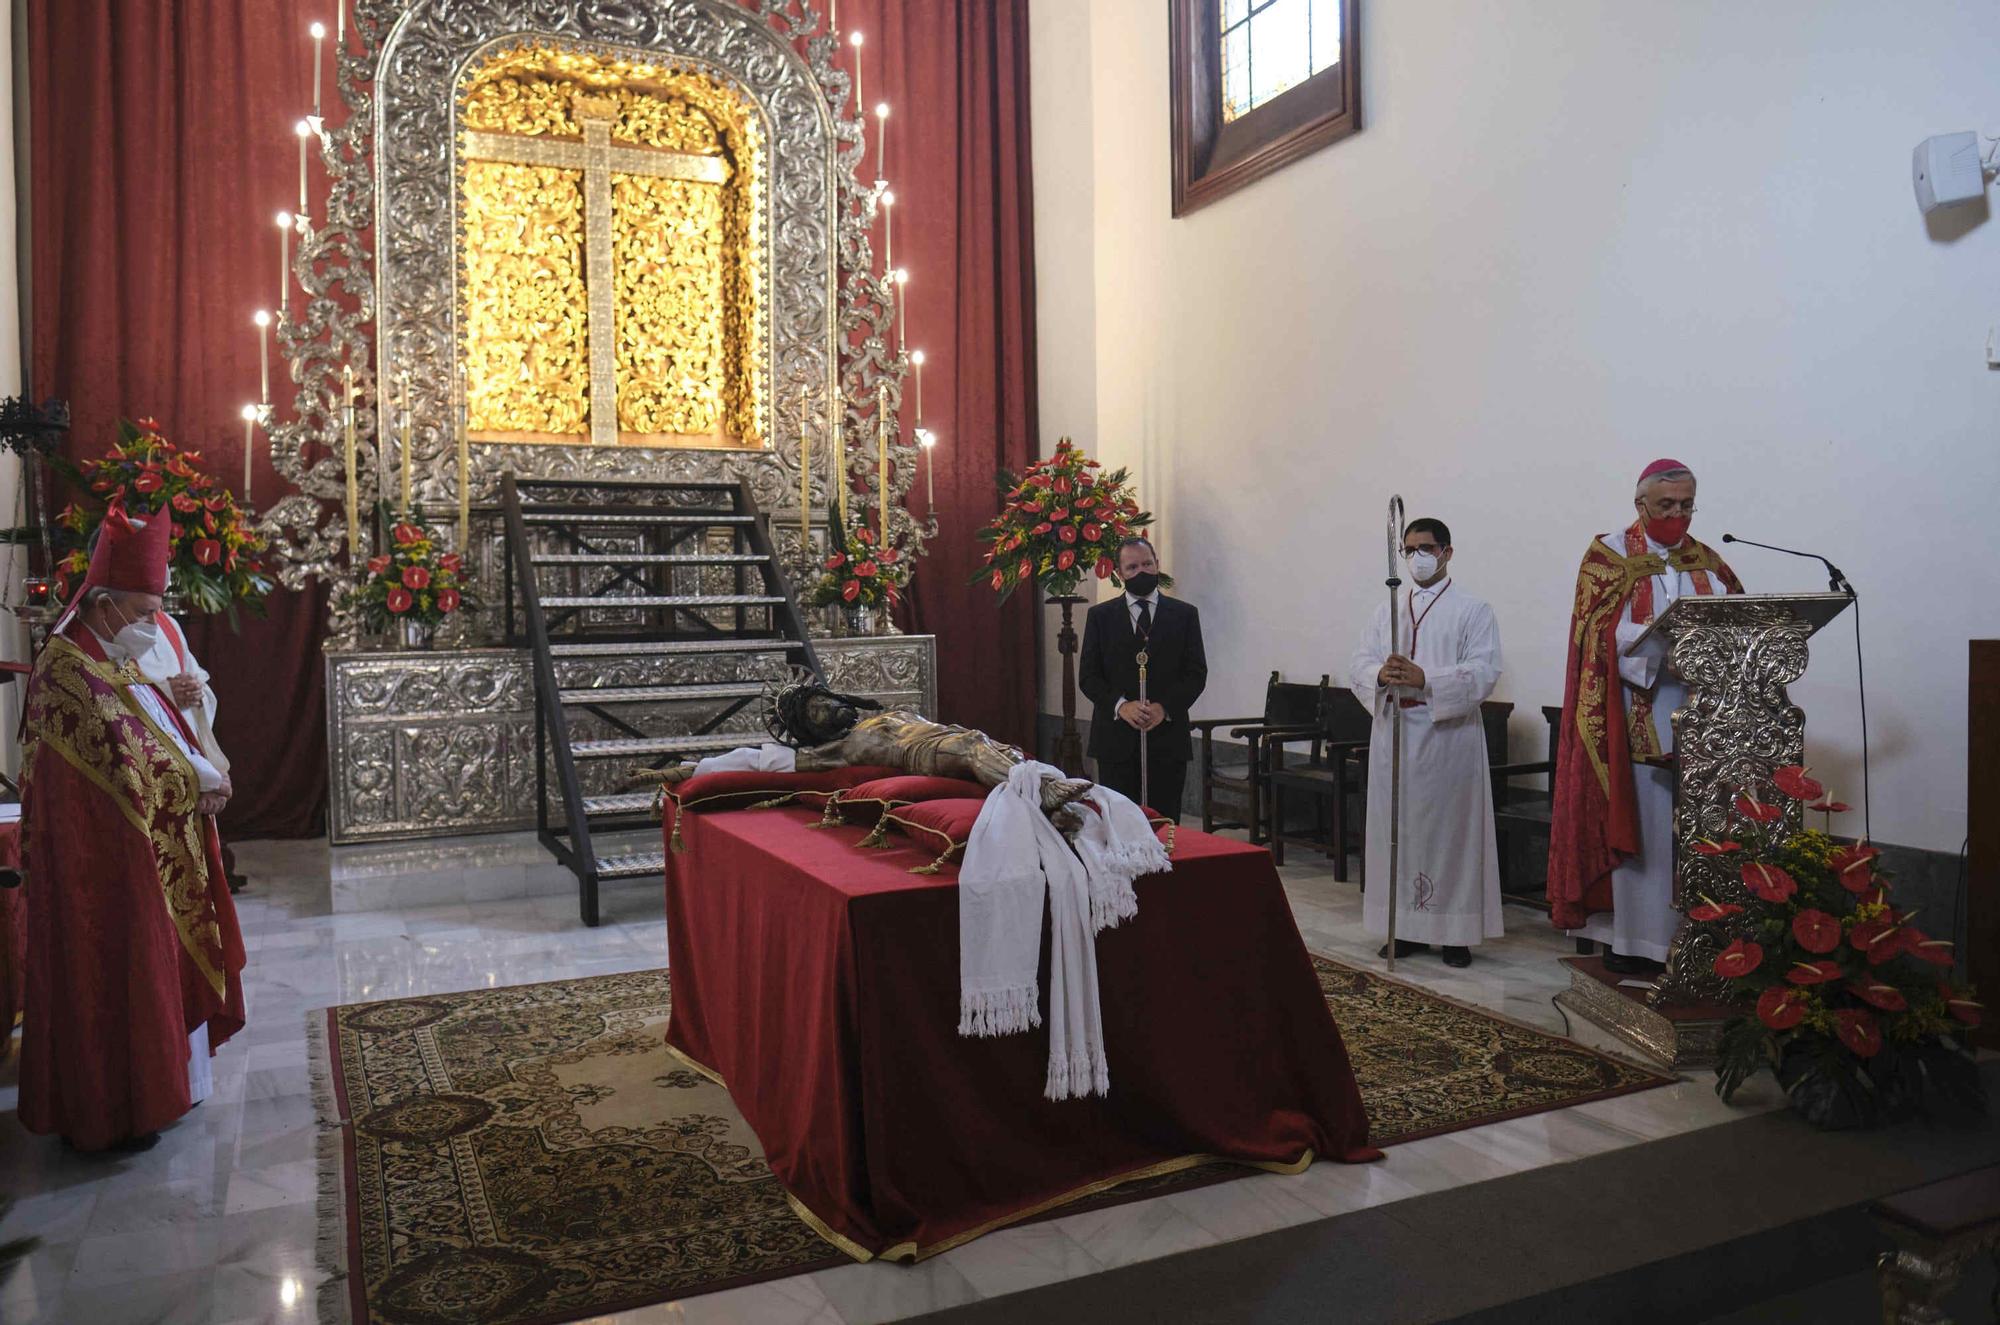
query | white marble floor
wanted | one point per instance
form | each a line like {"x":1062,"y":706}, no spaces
{"x":217,"y":1222}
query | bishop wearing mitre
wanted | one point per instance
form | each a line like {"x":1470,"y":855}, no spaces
{"x":135,"y":960}
{"x":1434,"y":674}
{"x":1611,"y":839}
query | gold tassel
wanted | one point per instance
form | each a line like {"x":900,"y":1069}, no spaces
{"x":832,"y":815}
{"x":876,"y":834}
{"x":937,"y":865}
{"x":675,"y":844}
{"x":1172,"y":829}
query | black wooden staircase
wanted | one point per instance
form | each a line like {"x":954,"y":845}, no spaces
{"x":655,"y":613}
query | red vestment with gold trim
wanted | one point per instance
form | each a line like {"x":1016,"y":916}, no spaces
{"x":1595,"y":822}
{"x":133,"y":942}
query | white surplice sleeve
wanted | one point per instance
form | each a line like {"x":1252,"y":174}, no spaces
{"x":1458,"y":690}
{"x":1369,"y":655}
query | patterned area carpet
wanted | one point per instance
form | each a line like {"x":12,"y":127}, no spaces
{"x":535,"y":1154}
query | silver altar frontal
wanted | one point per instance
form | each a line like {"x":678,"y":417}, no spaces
{"x":594,"y":305}
{"x":443,"y":741}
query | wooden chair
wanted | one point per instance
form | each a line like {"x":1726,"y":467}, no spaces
{"x":1349,"y":831}
{"x":1289,"y":706}
{"x":1327,"y":774}
{"x":1522,"y":815}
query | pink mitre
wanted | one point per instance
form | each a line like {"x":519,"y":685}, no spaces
{"x":1661,"y":467}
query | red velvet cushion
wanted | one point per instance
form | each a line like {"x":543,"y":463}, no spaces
{"x":942,"y":825}
{"x":740,"y":787}
{"x":864,"y":801}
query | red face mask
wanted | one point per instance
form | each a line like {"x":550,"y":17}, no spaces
{"x":1668,"y":531}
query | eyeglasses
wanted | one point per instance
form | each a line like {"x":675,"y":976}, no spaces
{"x":1431,"y":548}
{"x":1668,"y":506}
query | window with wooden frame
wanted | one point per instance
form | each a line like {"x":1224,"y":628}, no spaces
{"x":1257,"y":84}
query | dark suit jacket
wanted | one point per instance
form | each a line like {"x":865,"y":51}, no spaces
{"x":1176,"y":672}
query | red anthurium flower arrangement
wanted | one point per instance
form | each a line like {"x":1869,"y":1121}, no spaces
{"x":1065,"y":518}
{"x":213,"y":562}
{"x":413,"y":581}
{"x":861,"y":574}
{"x":1842,"y":996}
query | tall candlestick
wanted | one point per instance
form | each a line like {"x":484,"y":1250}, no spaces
{"x":284,"y":263}
{"x":840,"y":475}
{"x":805,"y":484}
{"x":928,"y":439}
{"x":881,"y":139}
{"x":263,"y":321}
{"x":250,"y":413}
{"x":854,"y":40}
{"x":902,"y":308}
{"x":318,"y":31}
{"x":304,"y":131}
{"x":340,"y":25}
{"x":353,"y":481}
{"x":888,"y":233}
{"x":882,"y":459}
{"x":403,"y":396}
{"x":917,"y":362}
{"x":833,"y":17}
{"x":465,"y":464}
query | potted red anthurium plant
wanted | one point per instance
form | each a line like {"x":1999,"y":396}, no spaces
{"x":213,"y":561}
{"x":1852,"y":1006}
{"x":413,"y":587}
{"x":1062,"y":517}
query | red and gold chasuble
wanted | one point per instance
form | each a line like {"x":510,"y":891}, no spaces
{"x":132,"y":935}
{"x":1595,"y":824}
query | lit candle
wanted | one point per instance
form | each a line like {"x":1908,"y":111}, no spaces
{"x":882,"y":458}
{"x":464,"y":464}
{"x":318,"y":31}
{"x":929,"y":440}
{"x":249,"y":445}
{"x":353,"y":481}
{"x":304,"y":131}
{"x":888,"y":232}
{"x":840,"y":457}
{"x":917,"y":362}
{"x":263,"y":321}
{"x":902,"y":308}
{"x":854,"y":40}
{"x":284,"y":263}
{"x":403,"y":396}
{"x":881,"y":139}
{"x":805,"y":482}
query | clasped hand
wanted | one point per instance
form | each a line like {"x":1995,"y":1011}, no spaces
{"x":187,"y":690}
{"x":211,"y":802}
{"x":1144,"y":714}
{"x":1400,"y":671}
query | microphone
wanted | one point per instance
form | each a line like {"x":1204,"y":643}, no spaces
{"x":1836,"y":581}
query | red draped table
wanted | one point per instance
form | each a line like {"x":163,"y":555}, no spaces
{"x":820,"y":982}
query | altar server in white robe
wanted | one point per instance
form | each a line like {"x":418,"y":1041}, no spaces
{"x":1442,"y":666}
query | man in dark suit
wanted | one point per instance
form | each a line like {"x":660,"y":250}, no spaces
{"x":1114,"y":632}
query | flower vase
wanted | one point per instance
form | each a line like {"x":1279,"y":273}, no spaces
{"x":860,"y":619}
{"x":418,"y":634}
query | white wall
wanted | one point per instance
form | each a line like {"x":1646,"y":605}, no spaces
{"x":1561,"y":247}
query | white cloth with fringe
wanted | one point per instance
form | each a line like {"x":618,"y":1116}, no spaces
{"x":1014,"y":859}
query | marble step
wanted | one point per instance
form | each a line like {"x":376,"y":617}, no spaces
{"x":660,"y":693}
{"x":667,"y":648}
{"x":661,"y":600}
{"x":639,"y":746}
{"x":638,"y":865}
{"x":625,"y":802}
{"x":611,"y":559}
{"x":590,"y":516}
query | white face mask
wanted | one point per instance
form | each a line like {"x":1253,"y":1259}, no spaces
{"x":136,"y":639}
{"x":1423,"y":566}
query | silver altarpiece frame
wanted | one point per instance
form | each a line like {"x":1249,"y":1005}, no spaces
{"x":379,"y":288}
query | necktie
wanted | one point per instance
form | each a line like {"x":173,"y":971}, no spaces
{"x":1145,"y":626}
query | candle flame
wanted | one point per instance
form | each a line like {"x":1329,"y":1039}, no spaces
{"x":302,"y":129}
{"x":249,"y":413}
{"x":901,"y":276}
{"x":261,"y":318}
{"x":888,"y":198}
{"x":854,"y":39}
{"x":917,"y":358}
{"x":318,"y":31}
{"x":881,"y":110}
{"x":284,"y":220}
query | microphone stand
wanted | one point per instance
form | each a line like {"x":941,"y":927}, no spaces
{"x":1838,"y":583}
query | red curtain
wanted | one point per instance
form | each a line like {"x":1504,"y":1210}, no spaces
{"x":955,"y":77}
{"x":162,"y":149}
